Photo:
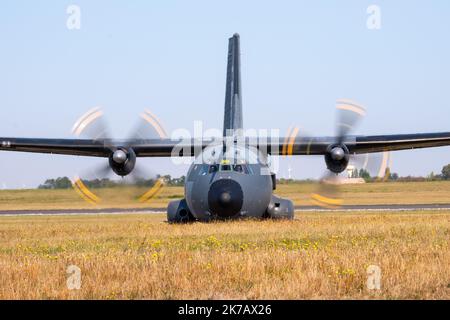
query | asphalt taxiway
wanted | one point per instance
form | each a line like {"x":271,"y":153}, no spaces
{"x":347,"y":208}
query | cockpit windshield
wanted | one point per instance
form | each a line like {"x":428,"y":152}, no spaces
{"x":240,"y":168}
{"x":204,"y":169}
{"x":234,"y":155}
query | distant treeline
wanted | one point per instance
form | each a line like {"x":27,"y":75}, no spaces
{"x":66,"y":183}
{"x":388,"y":176}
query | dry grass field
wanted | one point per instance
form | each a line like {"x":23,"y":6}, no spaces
{"x":322,"y":256}
{"x":316,"y":256}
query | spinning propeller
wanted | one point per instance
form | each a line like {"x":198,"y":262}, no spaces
{"x":338,"y":157}
{"x":122,"y":158}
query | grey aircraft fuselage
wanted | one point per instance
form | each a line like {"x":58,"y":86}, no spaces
{"x":223,"y":191}
{"x":227,"y":187}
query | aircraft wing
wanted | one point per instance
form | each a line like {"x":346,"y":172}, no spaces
{"x":300,"y":145}
{"x":75,"y":147}
{"x":97,"y":148}
{"x":282,"y":146}
{"x":357,"y":144}
{"x":382,"y":143}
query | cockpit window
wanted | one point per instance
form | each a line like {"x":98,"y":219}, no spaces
{"x":225,"y":167}
{"x":204,"y":170}
{"x":241,"y":168}
{"x":213,"y":168}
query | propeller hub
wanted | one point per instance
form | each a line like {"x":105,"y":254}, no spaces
{"x":337,"y":158}
{"x":119,"y":156}
{"x":337,"y":153}
{"x":122,"y":161}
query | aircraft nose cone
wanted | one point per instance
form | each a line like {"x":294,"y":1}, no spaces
{"x":225,"y":198}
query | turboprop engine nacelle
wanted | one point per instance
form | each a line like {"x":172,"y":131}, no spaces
{"x":122,"y":161}
{"x":337,"y":158}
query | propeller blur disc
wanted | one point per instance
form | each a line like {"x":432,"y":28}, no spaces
{"x":92,"y":125}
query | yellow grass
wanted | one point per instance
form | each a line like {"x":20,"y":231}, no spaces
{"x":318,"y":255}
{"x":373,"y":193}
{"x":141,"y":257}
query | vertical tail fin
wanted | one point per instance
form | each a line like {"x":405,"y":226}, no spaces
{"x":233,"y":96}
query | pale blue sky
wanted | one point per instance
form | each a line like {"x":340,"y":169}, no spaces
{"x":298,"y":57}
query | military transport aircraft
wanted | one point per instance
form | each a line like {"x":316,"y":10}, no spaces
{"x":230,"y":177}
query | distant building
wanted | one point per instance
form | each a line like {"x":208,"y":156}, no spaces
{"x":352,"y":177}
{"x":351,"y":171}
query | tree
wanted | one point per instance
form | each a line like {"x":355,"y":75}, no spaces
{"x":365,"y":175}
{"x":48,"y":184}
{"x":58,"y":183}
{"x":63,"y":183}
{"x":446,"y":172}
